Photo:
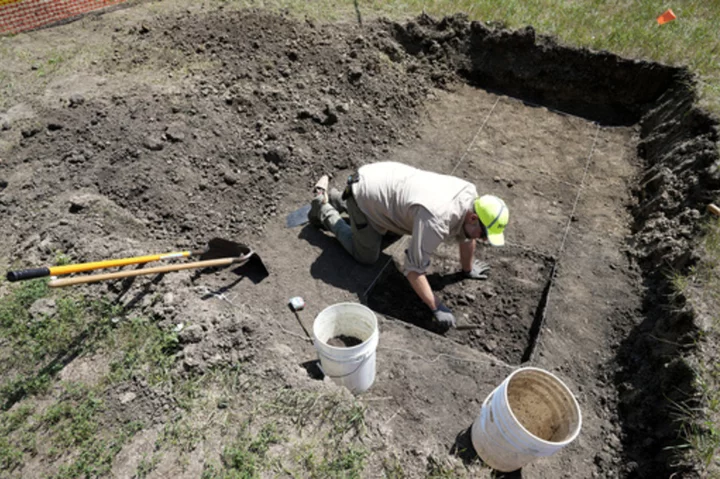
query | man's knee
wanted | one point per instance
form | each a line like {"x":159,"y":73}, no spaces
{"x":366,"y":256}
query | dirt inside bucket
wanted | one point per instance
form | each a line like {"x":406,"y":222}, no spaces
{"x":540,"y":418}
{"x":343,"y":341}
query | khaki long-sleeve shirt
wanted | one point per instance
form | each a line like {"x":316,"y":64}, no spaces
{"x":408,"y":201}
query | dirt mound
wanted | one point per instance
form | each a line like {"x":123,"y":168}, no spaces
{"x":282,"y":103}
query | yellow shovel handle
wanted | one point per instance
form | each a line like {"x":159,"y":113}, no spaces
{"x":112,"y":263}
{"x":78,"y":268}
{"x":59,"y":283}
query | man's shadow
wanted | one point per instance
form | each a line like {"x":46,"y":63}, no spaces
{"x":393,"y":297}
{"x":381,"y":286}
{"x":337,"y":267}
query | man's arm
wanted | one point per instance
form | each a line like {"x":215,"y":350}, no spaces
{"x":443,"y":316}
{"x":423,"y":242}
{"x":420,"y":285}
{"x":467,"y":255}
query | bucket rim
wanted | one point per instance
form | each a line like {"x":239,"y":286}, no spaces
{"x":362,"y":345}
{"x":563,"y":386}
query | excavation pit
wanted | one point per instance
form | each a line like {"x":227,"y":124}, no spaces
{"x":495,"y":316}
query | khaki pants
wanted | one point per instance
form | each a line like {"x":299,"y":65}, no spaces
{"x":358,"y":238}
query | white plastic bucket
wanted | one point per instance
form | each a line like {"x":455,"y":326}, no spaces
{"x":352,"y":367}
{"x":531,"y":414}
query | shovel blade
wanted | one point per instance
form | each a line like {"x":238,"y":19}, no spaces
{"x":222,"y":248}
{"x":255,"y":270}
{"x":298,"y":217}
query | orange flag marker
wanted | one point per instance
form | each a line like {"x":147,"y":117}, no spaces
{"x":668,"y":16}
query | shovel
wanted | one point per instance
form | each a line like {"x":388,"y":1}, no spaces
{"x":246,"y":256}
{"x":217,"y":248}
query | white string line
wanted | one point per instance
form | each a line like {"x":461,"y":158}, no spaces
{"x":299,"y":336}
{"x":530,"y":170}
{"x":467,"y":150}
{"x":419,"y":356}
{"x":535,"y":348}
{"x":393,"y":416}
{"x":375,"y":280}
{"x":580,"y":189}
{"x":443,"y":355}
{"x":565,"y":236}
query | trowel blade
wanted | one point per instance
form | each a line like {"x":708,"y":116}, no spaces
{"x":298,"y":217}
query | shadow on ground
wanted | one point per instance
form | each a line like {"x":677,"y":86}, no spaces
{"x":334,"y":266}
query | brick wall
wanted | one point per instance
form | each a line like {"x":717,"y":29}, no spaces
{"x":20,"y":15}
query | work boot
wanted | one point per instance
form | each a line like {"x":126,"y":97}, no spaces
{"x":320,"y":198}
{"x":321,"y":187}
{"x":335,"y":199}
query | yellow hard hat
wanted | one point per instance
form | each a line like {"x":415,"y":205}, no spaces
{"x":494,"y":215}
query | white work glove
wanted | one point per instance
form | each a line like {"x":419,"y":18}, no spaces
{"x":479,"y":270}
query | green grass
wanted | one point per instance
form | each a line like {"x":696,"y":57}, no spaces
{"x":73,"y":430}
{"x":70,"y":434}
{"x":72,"y":420}
{"x":180,"y":434}
{"x":96,"y":455}
{"x":348,"y":462}
{"x":701,"y":425}
{"x":61,"y":259}
{"x":147,"y":465}
{"x":245,"y":457}
{"x":702,"y":429}
{"x":42,"y":343}
{"x":392,"y":469}
{"x":313,"y":410}
{"x":72,"y":327}
{"x":51,"y":65}
{"x":144,"y":350}
{"x":318,"y":436}
{"x":438,"y":469}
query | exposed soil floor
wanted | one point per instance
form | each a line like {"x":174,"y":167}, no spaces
{"x":566,"y":180}
{"x":494,"y":316}
{"x":186,"y":132}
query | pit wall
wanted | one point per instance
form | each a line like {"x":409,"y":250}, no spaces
{"x":678,"y":145}
{"x":21,"y":15}
{"x":599,"y":86}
